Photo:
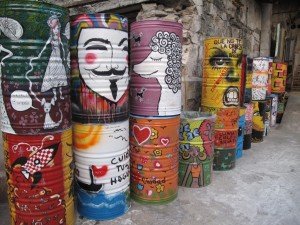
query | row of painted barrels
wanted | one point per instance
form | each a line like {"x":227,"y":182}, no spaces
{"x":36,"y":112}
{"x":155,"y":106}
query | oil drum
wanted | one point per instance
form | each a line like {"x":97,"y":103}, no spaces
{"x":154,"y":159}
{"x":224,"y":159}
{"x":99,"y":68}
{"x":34,"y":67}
{"x":268,"y":115}
{"x":156,"y":55}
{"x":260,"y":78}
{"x":40,"y":178}
{"x":280,"y":107}
{"x":279,"y":77}
{"x":240,"y":140}
{"x":249,"y":73}
{"x":258,"y":127}
{"x":270,"y":74}
{"x":274,"y":109}
{"x":248,"y":126}
{"x":102,"y":169}
{"x":196,"y":148}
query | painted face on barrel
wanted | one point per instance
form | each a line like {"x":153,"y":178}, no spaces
{"x":103,"y":61}
{"x":231,"y":96}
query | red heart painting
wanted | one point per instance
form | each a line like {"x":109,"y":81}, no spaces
{"x":141,"y":135}
{"x":165,"y":141}
{"x":99,"y":171}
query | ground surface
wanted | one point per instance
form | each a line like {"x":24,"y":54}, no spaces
{"x":263,"y":189}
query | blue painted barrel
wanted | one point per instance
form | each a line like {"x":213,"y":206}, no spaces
{"x":240,"y":140}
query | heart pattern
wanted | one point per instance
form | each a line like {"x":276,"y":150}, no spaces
{"x":141,"y":135}
{"x":99,"y":171}
{"x":165,"y":141}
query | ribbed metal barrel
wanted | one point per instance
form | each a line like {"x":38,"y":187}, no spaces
{"x":220,"y":94}
{"x":154,"y":159}
{"x":248,"y":126}
{"x":240,"y":140}
{"x":274,"y":109}
{"x":40,"y":178}
{"x":268,"y":115}
{"x":249,"y":73}
{"x":34,"y":67}
{"x":156,"y":55}
{"x":196,"y":148}
{"x":260,"y":78}
{"x":279,"y":77}
{"x":270,"y":74}
{"x":99,"y":61}
{"x":102,"y":169}
{"x":258,"y":127}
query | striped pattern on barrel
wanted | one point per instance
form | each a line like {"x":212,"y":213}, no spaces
{"x":154,"y":159}
{"x":156,"y":54}
{"x":258,"y":127}
{"x":196,"y":149}
{"x":279,"y":77}
{"x":260,"y":78}
{"x":220,"y":93}
{"x":99,"y":52}
{"x":240,"y":141}
{"x":36,"y":113}
{"x":248,"y":126}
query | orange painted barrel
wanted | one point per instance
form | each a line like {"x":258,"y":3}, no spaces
{"x":154,"y":159}
{"x":279,"y":77}
{"x":40,"y":178}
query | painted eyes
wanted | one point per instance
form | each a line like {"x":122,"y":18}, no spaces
{"x":219,"y":61}
{"x":156,"y":59}
{"x":125,"y":48}
{"x":97,"y":47}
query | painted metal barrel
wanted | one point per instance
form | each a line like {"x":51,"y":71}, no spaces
{"x":243,"y":80}
{"x":279,"y":77}
{"x":249,"y":73}
{"x":274,"y":109}
{"x":102,"y":169}
{"x":258,"y":126}
{"x":260,"y":78}
{"x":221,"y":72}
{"x":99,"y":68}
{"x":240,"y":140}
{"x":156,"y":55}
{"x":40,"y":178}
{"x":280,"y":107}
{"x":270,"y":74}
{"x":154,"y":159}
{"x":268,"y":115}
{"x":196,"y":148}
{"x":34,"y":67}
{"x":248,"y":126}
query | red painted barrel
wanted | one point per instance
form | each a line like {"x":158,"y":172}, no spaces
{"x":155,"y":88}
{"x":99,"y":61}
{"x":154,"y":159}
{"x":260,"y":78}
{"x":40,"y":178}
{"x":34,"y":67}
{"x":279,"y":77}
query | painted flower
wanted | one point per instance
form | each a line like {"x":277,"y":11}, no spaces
{"x":157,"y":152}
{"x":33,"y":117}
{"x":160,"y":188}
{"x":154,"y":134}
{"x":144,"y":159}
{"x":23,"y":121}
{"x":157,"y":164}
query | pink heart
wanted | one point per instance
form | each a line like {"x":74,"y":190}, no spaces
{"x":141,"y":135}
{"x":165,"y":141}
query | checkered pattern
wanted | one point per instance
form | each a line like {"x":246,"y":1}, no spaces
{"x":38,"y":160}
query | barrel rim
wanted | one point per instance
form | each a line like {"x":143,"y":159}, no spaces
{"x":160,"y":22}
{"x":219,"y":37}
{"x":200,"y":115}
{"x":98,"y":14}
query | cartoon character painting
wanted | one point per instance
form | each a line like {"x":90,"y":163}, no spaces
{"x":99,"y":68}
{"x":156,"y":73}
